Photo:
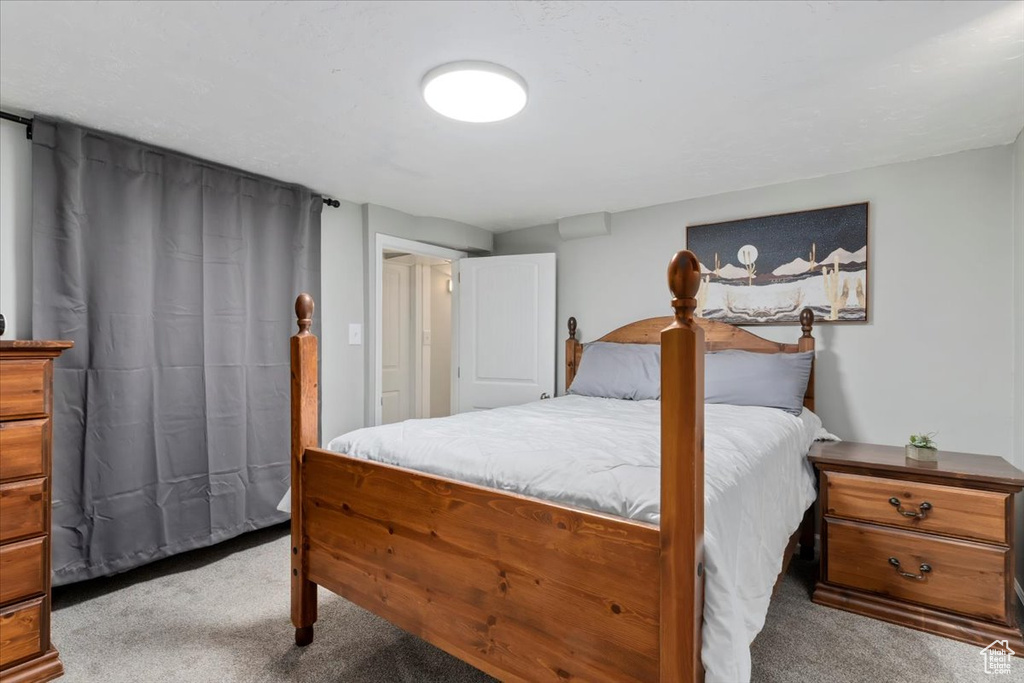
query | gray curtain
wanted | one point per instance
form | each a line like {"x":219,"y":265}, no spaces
{"x":176,"y":279}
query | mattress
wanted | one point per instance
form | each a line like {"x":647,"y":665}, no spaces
{"x":604,"y":454}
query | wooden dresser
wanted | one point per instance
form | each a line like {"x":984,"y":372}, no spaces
{"x":925,"y":545}
{"x":26,"y":380}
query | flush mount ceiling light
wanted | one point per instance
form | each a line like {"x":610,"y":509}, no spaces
{"x":475,"y":92}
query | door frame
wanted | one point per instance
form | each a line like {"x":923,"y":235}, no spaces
{"x":411,"y":246}
{"x":408,"y":382}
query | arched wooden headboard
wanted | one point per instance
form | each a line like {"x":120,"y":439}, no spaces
{"x":718,"y":336}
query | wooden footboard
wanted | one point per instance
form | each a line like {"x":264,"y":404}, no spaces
{"x":521,"y":588}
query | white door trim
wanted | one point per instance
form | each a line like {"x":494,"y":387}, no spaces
{"x":401,"y":373}
{"x":413,"y":247}
{"x":420,"y":322}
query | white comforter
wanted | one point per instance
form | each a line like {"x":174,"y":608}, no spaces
{"x":603,"y":454}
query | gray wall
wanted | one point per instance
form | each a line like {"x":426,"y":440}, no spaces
{"x":1018,"y":354}
{"x":15,"y":230}
{"x":941,"y":256}
{"x":341,"y":303}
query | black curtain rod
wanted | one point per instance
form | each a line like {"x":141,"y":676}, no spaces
{"x":18,"y":119}
{"x":7,"y":116}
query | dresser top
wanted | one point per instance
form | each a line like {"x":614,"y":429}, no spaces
{"x":949,"y":465}
{"x":28,"y":348}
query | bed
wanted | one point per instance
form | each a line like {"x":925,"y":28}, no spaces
{"x":530,"y":569}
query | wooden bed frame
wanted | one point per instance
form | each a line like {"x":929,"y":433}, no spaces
{"x":523,"y":589}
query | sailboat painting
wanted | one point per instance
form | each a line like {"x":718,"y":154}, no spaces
{"x":764,"y":271}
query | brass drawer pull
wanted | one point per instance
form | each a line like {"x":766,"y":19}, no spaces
{"x":924,"y":569}
{"x":923,"y":508}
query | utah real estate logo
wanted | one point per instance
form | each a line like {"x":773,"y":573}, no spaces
{"x":997,"y":657}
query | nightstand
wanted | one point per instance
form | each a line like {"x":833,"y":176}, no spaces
{"x":927,"y":545}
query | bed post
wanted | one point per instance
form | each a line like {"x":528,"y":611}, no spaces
{"x":682,"y":479}
{"x":304,"y":435}
{"x":573,"y":351}
{"x":806,"y":343}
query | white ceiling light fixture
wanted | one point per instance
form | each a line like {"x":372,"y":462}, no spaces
{"x":475,"y":92}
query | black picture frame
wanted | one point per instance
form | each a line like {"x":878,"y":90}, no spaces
{"x":765,"y":270}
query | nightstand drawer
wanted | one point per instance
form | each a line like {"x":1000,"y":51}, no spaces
{"x":23,"y":449}
{"x":958,"y":576}
{"x":21,"y":631}
{"x":947,"y":510}
{"x":22,"y":567}
{"x":24,"y":387}
{"x":22,"y":509}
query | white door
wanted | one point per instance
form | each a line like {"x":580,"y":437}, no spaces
{"x":396,"y":367}
{"x":506,"y":330}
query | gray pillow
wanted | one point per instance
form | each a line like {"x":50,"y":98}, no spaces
{"x":611,"y":370}
{"x":743,"y":378}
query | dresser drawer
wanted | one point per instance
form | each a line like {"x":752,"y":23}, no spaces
{"x":21,"y":631}
{"x":24,"y":388}
{"x":948,"y":510}
{"x":22,"y":509}
{"x":23,"y":448}
{"x":22,"y":567}
{"x":959,"y":576}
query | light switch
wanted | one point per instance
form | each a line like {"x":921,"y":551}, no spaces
{"x":426,"y":337}
{"x":355,"y":334}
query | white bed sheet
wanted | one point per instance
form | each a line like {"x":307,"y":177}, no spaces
{"x":604,"y":454}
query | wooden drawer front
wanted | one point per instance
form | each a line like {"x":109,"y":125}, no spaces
{"x":23,"y":388}
{"x":21,"y":569}
{"x":22,"y":448}
{"x":22,"y":509}
{"x":965,"y":577}
{"x":20,"y":631}
{"x":952,"y":511}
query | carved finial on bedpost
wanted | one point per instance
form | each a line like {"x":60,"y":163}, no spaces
{"x":573,"y":352}
{"x":684,"y":281}
{"x":304,"y":312}
{"x":806,"y":343}
{"x":806,"y":322}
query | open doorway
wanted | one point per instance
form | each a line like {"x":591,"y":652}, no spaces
{"x":436,"y":310}
{"x":416,"y":340}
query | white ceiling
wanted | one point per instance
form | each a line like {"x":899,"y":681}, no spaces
{"x":631,"y":103}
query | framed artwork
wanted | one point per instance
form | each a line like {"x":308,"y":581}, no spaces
{"x":766,"y":270}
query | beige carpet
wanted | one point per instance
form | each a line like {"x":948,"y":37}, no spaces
{"x":221,"y":614}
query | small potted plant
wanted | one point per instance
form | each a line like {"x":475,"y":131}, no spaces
{"x":922,"y":447}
